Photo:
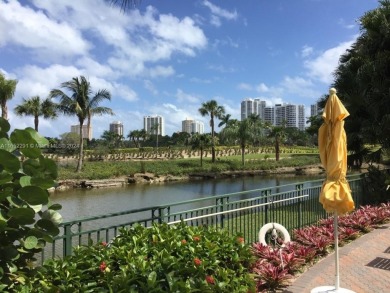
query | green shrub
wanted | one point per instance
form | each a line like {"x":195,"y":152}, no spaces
{"x":161,"y":258}
{"x":27,"y":219}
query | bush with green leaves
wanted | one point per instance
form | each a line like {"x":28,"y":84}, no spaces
{"x":162,"y":258}
{"x":27,"y":220}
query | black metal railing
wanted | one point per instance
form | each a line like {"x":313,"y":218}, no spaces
{"x":292,"y":205}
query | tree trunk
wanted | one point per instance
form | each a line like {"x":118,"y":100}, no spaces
{"x":80,"y":160}
{"x":243,"y":154}
{"x":213,"y":142}
{"x":277,"y":149}
{"x":36,"y":122}
{"x":201,"y":157}
{"x":4,"y":110}
{"x":88,"y":126}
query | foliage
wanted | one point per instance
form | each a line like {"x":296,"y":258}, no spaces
{"x":200,"y":142}
{"x":27,"y":219}
{"x":377,"y":186}
{"x":212,"y":109}
{"x":36,"y":107}
{"x":69,"y":142}
{"x":161,"y":258}
{"x":363,"y":81}
{"x":244,"y":132}
{"x":180,"y":167}
{"x":7,"y":91}
{"x":81,"y":104}
{"x":275,"y":266}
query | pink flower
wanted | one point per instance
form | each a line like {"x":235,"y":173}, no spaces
{"x":184,"y":242}
{"x":196,"y":238}
{"x":104,"y":243}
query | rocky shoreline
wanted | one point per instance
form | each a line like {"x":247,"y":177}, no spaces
{"x":149,"y":178}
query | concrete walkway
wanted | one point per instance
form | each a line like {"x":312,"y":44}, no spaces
{"x":364,"y":266}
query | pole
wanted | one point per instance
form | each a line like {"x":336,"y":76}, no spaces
{"x":336,"y":247}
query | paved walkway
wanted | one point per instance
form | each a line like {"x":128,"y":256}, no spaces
{"x":364,"y":266}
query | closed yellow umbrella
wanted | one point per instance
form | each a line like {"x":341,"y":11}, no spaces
{"x":335,"y":195}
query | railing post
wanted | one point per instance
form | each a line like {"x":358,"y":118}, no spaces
{"x":299,"y":188}
{"x":220,"y":204}
{"x":67,"y":245}
{"x":160,"y":215}
{"x":265,"y":194}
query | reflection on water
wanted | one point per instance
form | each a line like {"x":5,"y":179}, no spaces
{"x":81,"y":203}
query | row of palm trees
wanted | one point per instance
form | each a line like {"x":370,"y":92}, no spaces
{"x":75,"y":98}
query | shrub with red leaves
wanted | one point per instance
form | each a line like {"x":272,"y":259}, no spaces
{"x":270,"y":277}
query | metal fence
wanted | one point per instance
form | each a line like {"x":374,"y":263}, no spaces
{"x":293,"y":206}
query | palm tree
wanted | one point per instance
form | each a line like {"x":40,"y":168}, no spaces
{"x":278,"y":133}
{"x":135,"y":136}
{"x":82,"y":104}
{"x":200,"y":142}
{"x":34,"y":106}
{"x":7,"y":91}
{"x":155,"y":128}
{"x":225,"y":119}
{"x":124,"y":4}
{"x":243,"y":131}
{"x":214,"y":110}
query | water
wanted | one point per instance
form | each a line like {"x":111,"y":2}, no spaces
{"x":82,"y":203}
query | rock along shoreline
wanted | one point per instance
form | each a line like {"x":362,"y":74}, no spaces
{"x":149,"y":178}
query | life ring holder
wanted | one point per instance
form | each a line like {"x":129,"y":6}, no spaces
{"x":275,"y":228}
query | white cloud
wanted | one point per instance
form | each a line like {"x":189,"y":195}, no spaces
{"x":217,"y":13}
{"x":322,"y":67}
{"x":34,"y":80}
{"x":181,"y":96}
{"x":150,"y":87}
{"x":346,"y":25}
{"x":132,"y":39}
{"x":262,"y":88}
{"x":306,"y":51}
{"x":160,"y":71}
{"x":245,"y":86}
{"x":299,"y":86}
{"x":48,"y":38}
{"x":91,"y":65}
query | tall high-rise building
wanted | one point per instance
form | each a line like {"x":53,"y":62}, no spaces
{"x":314,"y":110}
{"x":86,"y":134}
{"x":192,"y":126}
{"x":269,"y":115}
{"x":154,"y":125}
{"x":252,"y":106}
{"x":292,"y":115}
{"x":116,"y":127}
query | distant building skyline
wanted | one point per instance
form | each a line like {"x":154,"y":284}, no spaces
{"x":293,"y":115}
{"x":192,"y":126}
{"x":86,"y":134}
{"x":151,"y":121}
{"x":117,"y":127}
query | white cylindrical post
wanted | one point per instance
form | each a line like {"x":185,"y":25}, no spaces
{"x":336,"y":250}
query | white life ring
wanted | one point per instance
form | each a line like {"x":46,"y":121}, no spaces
{"x":276,"y":228}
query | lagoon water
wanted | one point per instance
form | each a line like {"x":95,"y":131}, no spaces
{"x":82,"y":203}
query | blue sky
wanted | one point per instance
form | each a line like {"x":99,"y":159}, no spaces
{"x":168,"y":57}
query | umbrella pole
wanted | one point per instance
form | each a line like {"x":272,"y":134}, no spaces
{"x":336,"y":288}
{"x":336,"y":248}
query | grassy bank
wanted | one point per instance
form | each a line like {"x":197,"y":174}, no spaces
{"x":181,"y":167}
